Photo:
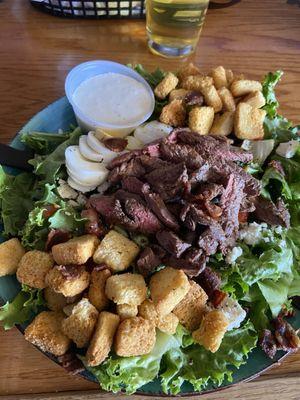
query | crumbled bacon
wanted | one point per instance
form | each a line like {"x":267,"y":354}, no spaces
{"x":56,"y":236}
{"x":217,"y":297}
{"x":49,"y":210}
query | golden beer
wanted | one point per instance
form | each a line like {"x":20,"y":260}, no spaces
{"x":174,"y":26}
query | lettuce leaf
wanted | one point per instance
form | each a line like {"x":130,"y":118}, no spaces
{"x":15,"y":200}
{"x":268,"y":90}
{"x":176,"y":359}
{"x":22,"y":308}
{"x":48,"y":168}
{"x":42,"y":142}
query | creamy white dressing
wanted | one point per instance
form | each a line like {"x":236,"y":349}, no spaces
{"x":113,"y":98}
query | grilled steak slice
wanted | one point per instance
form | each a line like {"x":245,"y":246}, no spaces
{"x":271,"y":213}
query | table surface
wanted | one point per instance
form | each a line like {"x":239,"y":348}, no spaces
{"x":36,"y":52}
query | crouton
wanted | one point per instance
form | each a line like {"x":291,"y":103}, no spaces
{"x":255,"y":99}
{"x":196,"y":82}
{"x":135,"y":337}
{"x":223,"y":124}
{"x":168,"y":287}
{"x":102,"y":339}
{"x":248,"y":122}
{"x":116,"y":251}
{"x":33,"y":268}
{"x":96,"y":292}
{"x":227,"y":99}
{"x":57,"y":301}
{"x":75,"y":251}
{"x":69,"y":280}
{"x":11,"y":253}
{"x":212,"y":97}
{"x":201,"y":119}
{"x":229,"y":76}
{"x":212,"y":330}
{"x":192,"y":307}
{"x":126,"y":289}
{"x":178,"y":94}
{"x":45,"y":332}
{"x":173,"y":113}
{"x":168,"y":323}
{"x":219,"y":76}
{"x":188,"y":70}
{"x":169,"y":83}
{"x":127,"y":311}
{"x":79,"y":326}
{"x":244,"y":86}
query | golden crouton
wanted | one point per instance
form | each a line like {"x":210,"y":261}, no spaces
{"x":212,"y":97}
{"x":102,"y":339}
{"x":196,"y":82}
{"x":178,"y":94}
{"x":219,"y":76}
{"x":79,"y":326}
{"x":75,"y":251}
{"x":223,"y":124}
{"x":135,"y":337}
{"x":173,"y":113}
{"x":192,"y":307}
{"x":212,"y":330}
{"x":168,"y":287}
{"x":244,"y":86}
{"x":248,"y":122}
{"x":126,"y":289}
{"x":11,"y":253}
{"x":201,"y":119}
{"x":188,"y":70}
{"x":33,"y":268}
{"x":45,"y":332}
{"x":229,"y":76}
{"x":69,"y":280}
{"x":255,"y":99}
{"x":116,"y":251}
{"x":96,"y":293}
{"x":57,"y":301}
{"x":169,"y":83}
{"x":227,"y":99}
{"x":127,"y":311}
{"x":167,"y":323}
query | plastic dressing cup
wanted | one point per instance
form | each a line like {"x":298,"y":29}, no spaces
{"x":89,"y":69}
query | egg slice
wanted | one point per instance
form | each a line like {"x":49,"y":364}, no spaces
{"x":86,"y":172}
{"x":87,"y":152}
{"x":78,"y":187}
{"x":99,"y":147}
{"x":151,"y":131}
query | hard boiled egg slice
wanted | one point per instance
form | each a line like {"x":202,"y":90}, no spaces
{"x":78,"y":187}
{"x":87,"y":152}
{"x":151,"y":131}
{"x":87,"y":172}
{"x":99,"y":147}
{"x":133,"y":143}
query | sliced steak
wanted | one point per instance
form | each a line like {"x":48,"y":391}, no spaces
{"x":211,"y":238}
{"x":171,"y":243}
{"x":193,"y":262}
{"x":191,"y":216}
{"x":144,"y":219}
{"x":134,"y":185}
{"x":177,"y":153}
{"x":271,"y":213}
{"x":123,"y":158}
{"x":147,"y":261}
{"x":168,"y":181}
{"x":131,"y":168}
{"x":209,"y":280}
{"x":56,"y":236}
{"x":93,"y":224}
{"x":157,"y":205}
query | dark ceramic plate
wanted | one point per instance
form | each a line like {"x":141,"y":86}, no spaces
{"x":59,"y":115}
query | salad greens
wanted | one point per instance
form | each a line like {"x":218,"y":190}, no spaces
{"x":25,"y":305}
{"x":177,"y":359}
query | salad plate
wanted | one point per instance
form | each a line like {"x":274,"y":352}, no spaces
{"x":60,"y":116}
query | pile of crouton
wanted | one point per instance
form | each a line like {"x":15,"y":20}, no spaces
{"x":223,"y":103}
{"x":105,"y":308}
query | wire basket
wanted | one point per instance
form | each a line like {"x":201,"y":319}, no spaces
{"x":93,"y":9}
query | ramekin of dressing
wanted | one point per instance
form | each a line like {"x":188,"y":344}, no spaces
{"x":109,"y":96}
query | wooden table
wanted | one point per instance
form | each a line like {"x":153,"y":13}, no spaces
{"x":36,"y":52}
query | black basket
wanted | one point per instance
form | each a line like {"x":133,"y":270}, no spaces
{"x":93,"y":9}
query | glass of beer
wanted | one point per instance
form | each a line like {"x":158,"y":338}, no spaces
{"x":174,"y":26}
